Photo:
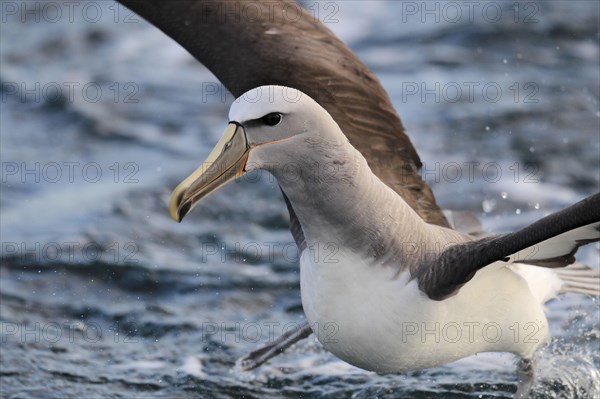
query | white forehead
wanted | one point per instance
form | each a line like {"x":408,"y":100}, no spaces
{"x":263,"y":100}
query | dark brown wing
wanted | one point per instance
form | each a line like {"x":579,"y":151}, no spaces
{"x":550,"y":242}
{"x":247,"y":44}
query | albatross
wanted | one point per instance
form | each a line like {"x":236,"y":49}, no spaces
{"x":387,"y":271}
{"x":397,"y":264}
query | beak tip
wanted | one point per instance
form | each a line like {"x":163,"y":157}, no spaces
{"x":179,"y":212}
{"x":174,"y":213}
{"x":175,"y":203}
{"x":183,"y":210}
{"x":175,"y":216}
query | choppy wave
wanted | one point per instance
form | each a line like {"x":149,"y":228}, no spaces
{"x":137,"y":306}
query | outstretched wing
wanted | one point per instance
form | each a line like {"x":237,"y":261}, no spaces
{"x":247,"y":44}
{"x":550,"y":242}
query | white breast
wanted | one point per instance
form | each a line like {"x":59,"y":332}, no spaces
{"x":368,"y":316}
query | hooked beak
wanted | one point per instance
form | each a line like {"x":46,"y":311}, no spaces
{"x":226,"y":162}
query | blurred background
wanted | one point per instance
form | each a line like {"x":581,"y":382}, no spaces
{"x":103,"y":295}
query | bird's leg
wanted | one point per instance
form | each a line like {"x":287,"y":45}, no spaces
{"x":261,"y":355}
{"x":525,"y":376}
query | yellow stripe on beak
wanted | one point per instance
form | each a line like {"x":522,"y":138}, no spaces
{"x":226,"y":162}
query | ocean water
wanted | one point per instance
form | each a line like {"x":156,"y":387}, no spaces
{"x":102,"y":295}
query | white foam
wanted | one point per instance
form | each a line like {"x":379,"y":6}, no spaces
{"x":192,"y":366}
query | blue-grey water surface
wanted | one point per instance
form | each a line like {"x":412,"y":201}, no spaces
{"x":104,"y":296}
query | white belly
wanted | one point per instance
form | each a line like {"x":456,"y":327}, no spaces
{"x":373,"y":319}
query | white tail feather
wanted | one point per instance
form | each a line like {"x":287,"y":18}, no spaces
{"x":545,"y":283}
{"x":579,"y":278}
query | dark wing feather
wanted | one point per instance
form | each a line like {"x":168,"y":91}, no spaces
{"x":550,"y":242}
{"x":246,"y":49}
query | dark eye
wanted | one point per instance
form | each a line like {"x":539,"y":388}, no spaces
{"x":271,"y":119}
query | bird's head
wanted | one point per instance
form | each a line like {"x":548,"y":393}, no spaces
{"x":268,"y":127}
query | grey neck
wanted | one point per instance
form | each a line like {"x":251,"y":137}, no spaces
{"x":339,"y":201}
